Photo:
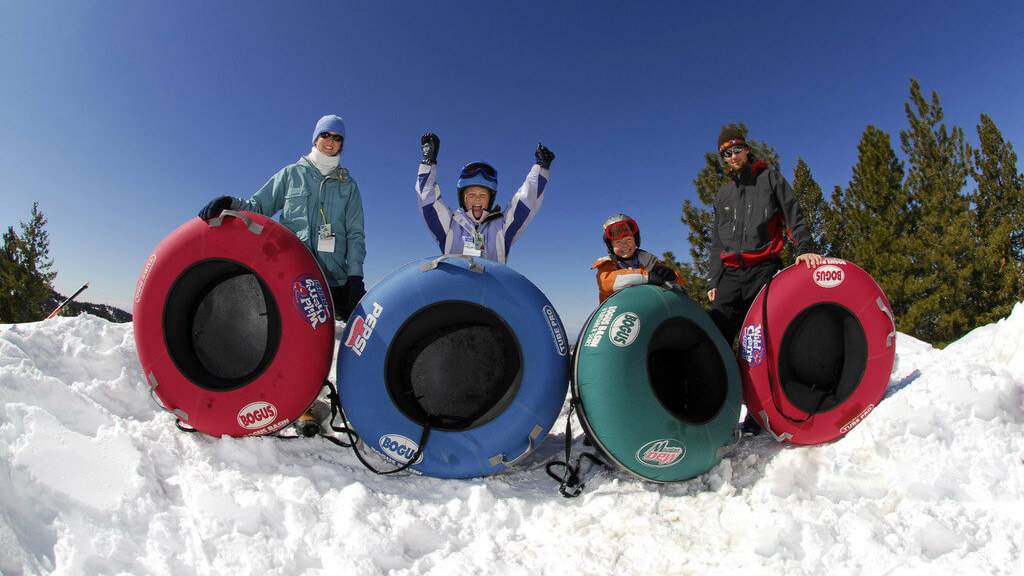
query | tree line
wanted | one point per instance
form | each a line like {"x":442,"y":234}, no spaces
{"x":941,"y":229}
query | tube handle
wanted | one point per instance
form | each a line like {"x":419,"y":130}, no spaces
{"x":249,"y":223}
{"x":891,"y":337}
{"x":474,"y":266}
{"x":778,"y":438}
{"x":177,"y":412}
{"x":500,"y":458}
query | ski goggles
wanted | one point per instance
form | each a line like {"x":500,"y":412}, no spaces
{"x":729,"y":152}
{"x":621,"y":229}
{"x":479,"y":169}
{"x":329,"y":136}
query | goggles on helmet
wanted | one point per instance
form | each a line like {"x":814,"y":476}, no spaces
{"x":621,"y":229}
{"x":479,"y":168}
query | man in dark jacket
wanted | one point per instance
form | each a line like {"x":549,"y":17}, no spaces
{"x":751,"y":212}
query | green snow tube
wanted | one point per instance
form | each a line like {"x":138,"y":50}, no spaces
{"x":656,"y":386}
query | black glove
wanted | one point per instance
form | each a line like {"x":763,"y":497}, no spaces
{"x":354,"y":291}
{"x":431,"y":145}
{"x":215,"y":207}
{"x":661,"y":275}
{"x":543,"y":156}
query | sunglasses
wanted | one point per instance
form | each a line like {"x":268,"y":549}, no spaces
{"x":621,"y":230}
{"x":485,"y":170}
{"x":729,"y":152}
{"x":328,"y":135}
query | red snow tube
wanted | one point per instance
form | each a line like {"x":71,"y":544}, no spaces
{"x":234,"y":325}
{"x":816,"y":359}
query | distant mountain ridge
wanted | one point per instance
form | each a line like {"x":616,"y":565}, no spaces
{"x":105,"y":311}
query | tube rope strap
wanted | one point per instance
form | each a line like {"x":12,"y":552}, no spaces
{"x":346,"y":428}
{"x":774,"y":384}
{"x":570,"y":483}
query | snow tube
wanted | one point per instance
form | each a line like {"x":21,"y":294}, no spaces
{"x":469,"y":348}
{"x":657,"y":388}
{"x":233,"y":325}
{"x":817,"y":347}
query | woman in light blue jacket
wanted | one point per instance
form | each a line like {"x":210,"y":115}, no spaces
{"x":320,"y":202}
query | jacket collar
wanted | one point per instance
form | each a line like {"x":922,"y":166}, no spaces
{"x":749,"y":173}
{"x":338,"y":173}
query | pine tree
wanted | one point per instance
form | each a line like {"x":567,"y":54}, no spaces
{"x":13,"y":279}
{"x":833,"y":234}
{"x":871,"y":221}
{"x":998,"y":225}
{"x":699,"y":218}
{"x":812,"y":206}
{"x":8,"y":280}
{"x":26,"y":270}
{"x":941,"y":248}
{"x":37,"y":247}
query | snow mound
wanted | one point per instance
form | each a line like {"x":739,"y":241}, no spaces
{"x":94,"y":480}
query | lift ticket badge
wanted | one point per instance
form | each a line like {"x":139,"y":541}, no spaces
{"x":311,"y":300}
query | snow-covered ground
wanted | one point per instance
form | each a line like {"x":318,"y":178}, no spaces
{"x":93,"y":480}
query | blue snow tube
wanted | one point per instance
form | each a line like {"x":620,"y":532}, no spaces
{"x":470,"y":349}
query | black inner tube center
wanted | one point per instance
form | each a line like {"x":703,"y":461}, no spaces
{"x":686,"y":371}
{"x":221,"y":324}
{"x":822,"y":357}
{"x":453,"y":365}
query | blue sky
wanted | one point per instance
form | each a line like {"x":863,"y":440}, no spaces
{"x":123,"y":118}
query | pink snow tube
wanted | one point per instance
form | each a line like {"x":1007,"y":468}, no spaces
{"x":817,"y":347}
{"x":233,"y":325}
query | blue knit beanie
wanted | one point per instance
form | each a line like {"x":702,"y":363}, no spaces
{"x":329,"y":123}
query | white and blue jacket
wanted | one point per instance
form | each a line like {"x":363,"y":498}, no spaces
{"x":455,"y":231}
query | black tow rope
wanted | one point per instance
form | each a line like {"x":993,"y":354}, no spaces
{"x":332,"y":397}
{"x":345,"y":428}
{"x":570,"y":482}
{"x":353,"y":436}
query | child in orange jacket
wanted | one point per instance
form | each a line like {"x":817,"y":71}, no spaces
{"x":626,"y":264}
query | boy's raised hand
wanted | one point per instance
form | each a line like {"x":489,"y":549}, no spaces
{"x":431,"y":144}
{"x":544,"y":156}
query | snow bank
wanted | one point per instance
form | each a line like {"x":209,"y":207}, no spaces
{"x":93,"y":480}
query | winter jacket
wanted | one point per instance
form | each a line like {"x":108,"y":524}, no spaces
{"x":614,"y":274}
{"x":306,"y":200}
{"x":751,"y":211}
{"x":457,"y":233}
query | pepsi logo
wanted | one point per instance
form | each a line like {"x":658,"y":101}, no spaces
{"x":358,"y":327}
{"x":362,"y":329}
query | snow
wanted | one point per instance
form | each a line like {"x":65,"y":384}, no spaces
{"x":95,"y":480}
